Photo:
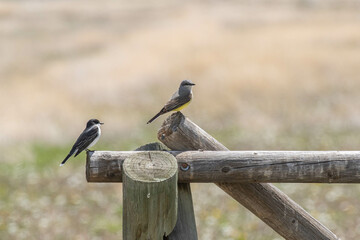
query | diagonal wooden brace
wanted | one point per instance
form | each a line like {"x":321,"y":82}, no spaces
{"x":264,"y":200}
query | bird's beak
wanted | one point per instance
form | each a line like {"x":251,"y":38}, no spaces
{"x":192,"y":84}
{"x":101,"y":123}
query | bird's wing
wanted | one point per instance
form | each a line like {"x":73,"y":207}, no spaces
{"x":175,"y":95}
{"x":176,"y":102}
{"x":85,"y":139}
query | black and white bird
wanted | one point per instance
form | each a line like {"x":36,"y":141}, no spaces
{"x":87,"y":139}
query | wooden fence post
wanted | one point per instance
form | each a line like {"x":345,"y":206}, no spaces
{"x":185,"y":227}
{"x":150,"y":195}
{"x":264,"y":200}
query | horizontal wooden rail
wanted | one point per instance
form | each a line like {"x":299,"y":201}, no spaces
{"x":242,"y":166}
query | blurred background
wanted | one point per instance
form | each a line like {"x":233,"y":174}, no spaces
{"x":270,"y":75}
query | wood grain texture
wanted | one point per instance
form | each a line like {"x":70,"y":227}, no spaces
{"x":243,"y":166}
{"x":264,"y":200}
{"x":105,"y":166}
{"x":269,"y":166}
{"x":150,"y":195}
{"x":185,"y":227}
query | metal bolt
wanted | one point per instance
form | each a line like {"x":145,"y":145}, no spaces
{"x":184,"y":167}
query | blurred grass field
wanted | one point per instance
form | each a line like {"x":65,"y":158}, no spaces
{"x":272,"y":75}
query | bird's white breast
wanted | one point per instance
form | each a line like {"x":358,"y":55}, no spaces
{"x":97,"y":138}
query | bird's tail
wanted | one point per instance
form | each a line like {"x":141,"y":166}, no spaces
{"x":67,"y":157}
{"x":156,"y":116}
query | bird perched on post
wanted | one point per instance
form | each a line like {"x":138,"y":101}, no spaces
{"x":87,"y":139}
{"x":179,"y":100}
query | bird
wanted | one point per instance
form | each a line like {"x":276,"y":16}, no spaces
{"x":87,"y":139}
{"x":179,"y":100}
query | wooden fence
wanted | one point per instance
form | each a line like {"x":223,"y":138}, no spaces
{"x":157,"y":194}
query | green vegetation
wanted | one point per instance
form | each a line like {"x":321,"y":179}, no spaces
{"x":40,"y":200}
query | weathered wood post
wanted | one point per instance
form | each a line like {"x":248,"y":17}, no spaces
{"x":264,"y":200}
{"x":150,"y":195}
{"x":185,"y":227}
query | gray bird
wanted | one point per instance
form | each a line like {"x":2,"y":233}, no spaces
{"x":179,"y":100}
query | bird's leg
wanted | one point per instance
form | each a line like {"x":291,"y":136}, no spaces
{"x":89,"y":150}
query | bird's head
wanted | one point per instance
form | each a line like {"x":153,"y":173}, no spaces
{"x":185,"y":87}
{"x":92,"y":122}
{"x":187,"y":83}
